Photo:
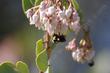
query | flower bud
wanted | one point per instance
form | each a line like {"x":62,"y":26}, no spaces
{"x":82,"y":42}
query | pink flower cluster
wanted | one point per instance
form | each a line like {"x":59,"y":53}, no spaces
{"x":53,"y":18}
{"x":80,"y":54}
{"x":56,"y":19}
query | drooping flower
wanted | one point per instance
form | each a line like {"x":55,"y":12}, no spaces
{"x":29,"y":13}
{"x":75,"y":16}
{"x":35,"y":18}
{"x":42,"y":6}
{"x":83,"y":55}
{"x":69,"y":11}
{"x":78,"y":55}
{"x":61,"y":14}
{"x":51,"y":10}
{"x":75,"y":26}
{"x":72,"y":45}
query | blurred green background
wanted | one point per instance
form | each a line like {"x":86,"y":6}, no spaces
{"x":18,"y":38}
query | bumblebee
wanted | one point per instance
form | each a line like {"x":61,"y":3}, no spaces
{"x":58,"y":38}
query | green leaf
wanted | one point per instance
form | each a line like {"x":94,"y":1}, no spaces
{"x":39,"y":46}
{"x":37,"y":2}
{"x":75,"y":4}
{"x":8,"y":68}
{"x":42,"y":61}
{"x":26,"y":4}
{"x":41,"y":56}
{"x":22,"y":67}
{"x":49,"y":70}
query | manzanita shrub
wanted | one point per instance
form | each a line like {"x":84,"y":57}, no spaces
{"x":56,"y":18}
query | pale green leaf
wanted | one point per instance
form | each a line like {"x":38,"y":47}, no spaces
{"x":22,"y":67}
{"x":8,"y":68}
{"x":42,"y":61}
{"x":39,"y":46}
{"x":41,"y":56}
